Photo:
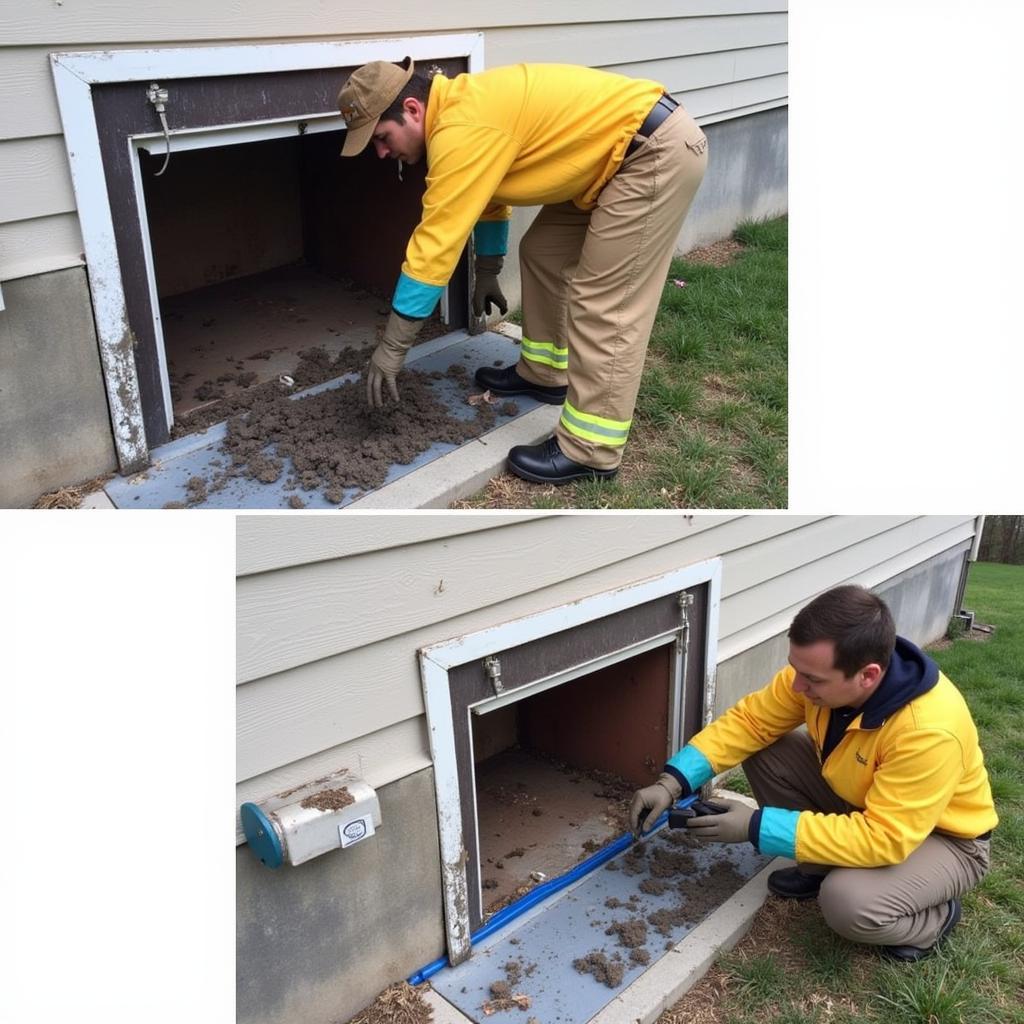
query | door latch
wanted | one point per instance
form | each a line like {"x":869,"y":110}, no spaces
{"x":158,"y":97}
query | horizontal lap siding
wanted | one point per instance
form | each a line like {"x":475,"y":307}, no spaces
{"x":721,"y":58}
{"x":351,"y":692}
{"x":100,"y":21}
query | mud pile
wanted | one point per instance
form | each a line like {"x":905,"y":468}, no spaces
{"x":334,"y":441}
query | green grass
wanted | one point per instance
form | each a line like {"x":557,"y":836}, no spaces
{"x":978,"y":974}
{"x":710,"y":426}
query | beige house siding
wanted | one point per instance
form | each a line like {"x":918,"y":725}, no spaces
{"x":332,"y":611}
{"x":722,"y":58}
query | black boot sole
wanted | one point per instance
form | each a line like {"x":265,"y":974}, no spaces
{"x":536,"y":478}
{"x":539,"y":395}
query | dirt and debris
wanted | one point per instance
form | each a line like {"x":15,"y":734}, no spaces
{"x":71,"y":497}
{"x":654,"y":886}
{"x":489,"y":883}
{"x":502,"y":995}
{"x":334,"y":441}
{"x":631,"y":933}
{"x":398,"y":1004}
{"x":641,"y":955}
{"x":614,"y":903}
{"x":667,"y":918}
{"x":608,"y":972}
{"x":329,"y":799}
{"x":668,"y":864}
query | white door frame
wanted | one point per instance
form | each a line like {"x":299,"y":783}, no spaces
{"x":437,"y":659}
{"x":75,"y":74}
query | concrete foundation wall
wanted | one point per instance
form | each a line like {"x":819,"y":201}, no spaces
{"x":922,"y":601}
{"x":746,"y":179}
{"x":317,"y":942}
{"x":54,"y":422}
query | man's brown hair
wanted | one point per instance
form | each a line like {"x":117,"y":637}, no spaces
{"x":855,"y":620}
{"x":418,"y":87}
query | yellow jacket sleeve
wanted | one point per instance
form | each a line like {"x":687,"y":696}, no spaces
{"x":467,"y":163}
{"x":751,"y":724}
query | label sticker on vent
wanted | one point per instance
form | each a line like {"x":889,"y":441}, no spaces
{"x":353,"y":831}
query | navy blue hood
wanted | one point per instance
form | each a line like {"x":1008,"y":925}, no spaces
{"x":910,"y":673}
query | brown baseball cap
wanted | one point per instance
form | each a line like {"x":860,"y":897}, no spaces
{"x":369,"y":91}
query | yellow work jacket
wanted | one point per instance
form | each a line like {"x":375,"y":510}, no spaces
{"x":524,"y":135}
{"x":918,"y":770}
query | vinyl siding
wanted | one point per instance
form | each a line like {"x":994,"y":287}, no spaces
{"x":331,"y":612}
{"x":722,"y":58}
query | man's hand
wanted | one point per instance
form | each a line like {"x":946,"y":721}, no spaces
{"x":651,"y":801}
{"x":728,"y":827}
{"x":388,"y":358}
{"x":486,"y":288}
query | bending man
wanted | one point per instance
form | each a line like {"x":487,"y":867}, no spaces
{"x":614,"y":162}
{"x":884,"y":802}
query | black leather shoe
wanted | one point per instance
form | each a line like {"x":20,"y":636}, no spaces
{"x":911,"y":954}
{"x":544,"y":463}
{"x":503,"y":380}
{"x":793,"y":884}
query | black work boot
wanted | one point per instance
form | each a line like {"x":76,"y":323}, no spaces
{"x":505,"y":380}
{"x":911,"y":954}
{"x":793,"y":884}
{"x":544,"y":463}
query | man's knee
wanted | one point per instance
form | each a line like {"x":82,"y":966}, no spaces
{"x":842,"y":902}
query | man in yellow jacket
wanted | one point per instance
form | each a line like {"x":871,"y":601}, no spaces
{"x":613,"y":161}
{"x":884,"y":802}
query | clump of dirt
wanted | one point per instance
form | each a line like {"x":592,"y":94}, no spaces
{"x":609,"y":972}
{"x":614,"y":903}
{"x":207,"y":390}
{"x":296,"y":502}
{"x":489,"y":883}
{"x":670,"y":917}
{"x":634,"y":861}
{"x":631,"y":933}
{"x":667,"y":864}
{"x":517,"y":852}
{"x":502,"y":997}
{"x":398,"y":1004}
{"x":680,"y":837}
{"x":510,"y":409}
{"x":653,"y":886}
{"x":640,"y":956}
{"x":329,"y":799}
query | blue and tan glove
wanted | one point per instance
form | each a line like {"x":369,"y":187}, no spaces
{"x":486,"y":289}
{"x":388,"y":358}
{"x":732,"y":826}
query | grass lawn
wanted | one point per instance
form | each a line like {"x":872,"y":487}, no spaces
{"x":792,"y":969}
{"x":709,"y":429}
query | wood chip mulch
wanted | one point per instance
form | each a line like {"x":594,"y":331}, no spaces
{"x":397,"y":1004}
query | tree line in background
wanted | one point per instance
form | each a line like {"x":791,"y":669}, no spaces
{"x":1002,"y":540}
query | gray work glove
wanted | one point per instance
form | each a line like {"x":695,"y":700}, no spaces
{"x":388,"y":358}
{"x":730,"y":827}
{"x":651,"y":801}
{"x":486,"y":288}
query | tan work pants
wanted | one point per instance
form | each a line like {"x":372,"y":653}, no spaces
{"x":592,"y":282}
{"x":897,"y":905}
